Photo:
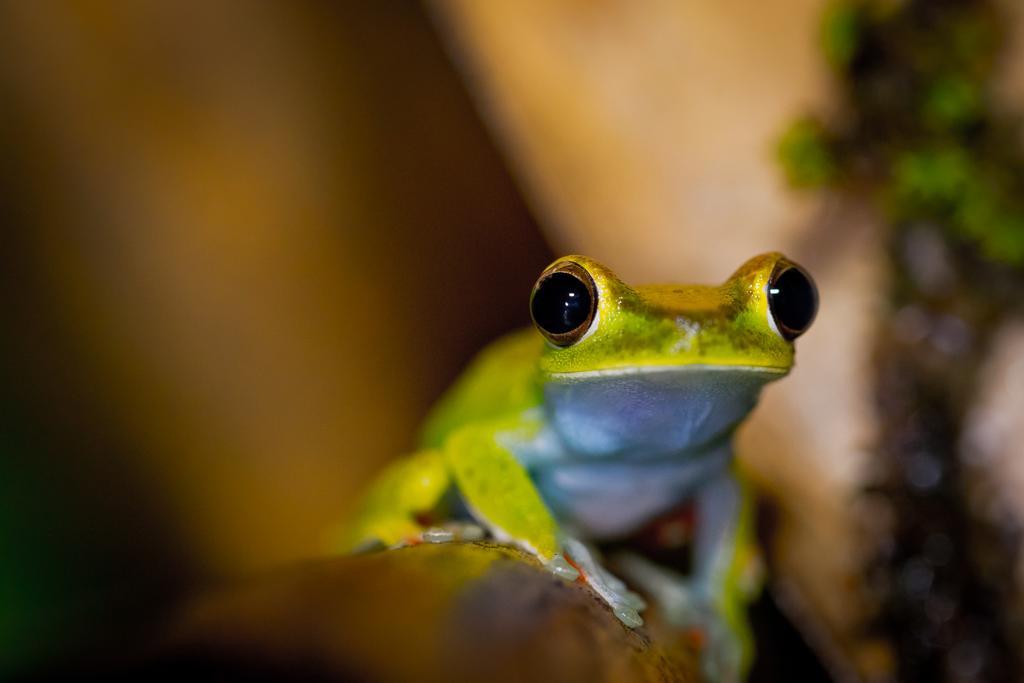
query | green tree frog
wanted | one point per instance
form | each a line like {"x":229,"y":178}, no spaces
{"x":617,"y":407}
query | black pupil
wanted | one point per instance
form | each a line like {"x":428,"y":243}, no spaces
{"x":793,"y":300}
{"x":561,"y":303}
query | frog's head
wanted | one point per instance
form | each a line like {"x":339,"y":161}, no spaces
{"x":682,"y":363}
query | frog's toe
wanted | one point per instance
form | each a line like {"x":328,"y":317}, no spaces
{"x":628,"y":615}
{"x":470,"y":532}
{"x":562,"y":568}
{"x":620,"y":591}
{"x":438,"y":535}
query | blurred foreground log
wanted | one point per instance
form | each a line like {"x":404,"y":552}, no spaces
{"x":427,"y":613}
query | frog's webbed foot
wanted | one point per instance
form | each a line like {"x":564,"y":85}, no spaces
{"x":625,"y":604}
{"x":691,"y":606}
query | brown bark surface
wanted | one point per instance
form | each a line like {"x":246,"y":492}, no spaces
{"x":426,"y":613}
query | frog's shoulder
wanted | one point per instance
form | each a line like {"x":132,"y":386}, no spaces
{"x":501,"y":380}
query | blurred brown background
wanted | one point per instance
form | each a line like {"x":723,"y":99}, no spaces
{"x":249,"y":244}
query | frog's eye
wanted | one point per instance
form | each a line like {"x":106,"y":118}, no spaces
{"x":564,"y":303}
{"x":792,"y":299}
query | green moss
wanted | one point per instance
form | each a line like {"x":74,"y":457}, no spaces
{"x":1003,"y":239}
{"x":920,"y":135}
{"x":805,"y":156}
{"x":978,"y":210}
{"x":985,"y":214}
{"x":840,"y":33}
{"x":951,"y":101}
{"x":929,"y":180}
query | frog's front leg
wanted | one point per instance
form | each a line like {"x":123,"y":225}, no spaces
{"x":502,"y":497}
{"x":712,"y":599}
{"x":388,"y":512}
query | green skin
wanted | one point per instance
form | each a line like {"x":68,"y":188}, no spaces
{"x":500,"y":400}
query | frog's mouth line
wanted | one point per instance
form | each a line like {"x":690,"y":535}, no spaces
{"x":651,"y":369}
